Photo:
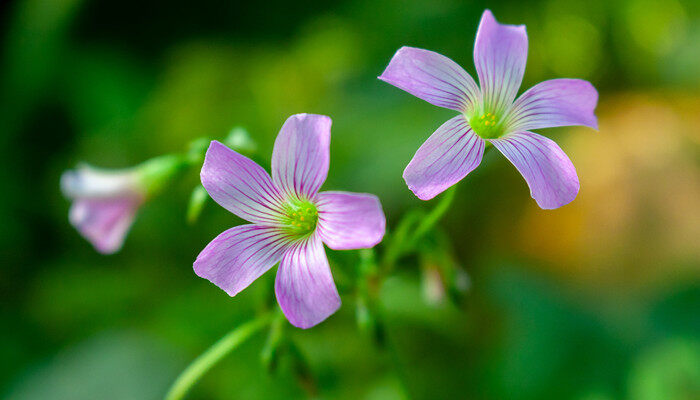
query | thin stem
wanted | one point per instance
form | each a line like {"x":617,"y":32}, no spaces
{"x":405,"y":237}
{"x":434,"y":216}
{"x":367,"y":316}
{"x":396,"y":243}
{"x":214,"y":354}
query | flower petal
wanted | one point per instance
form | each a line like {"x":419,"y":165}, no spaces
{"x":301,"y":155}
{"x":304,"y":285}
{"x":557,"y":102}
{"x":240,"y":185}
{"x":350,"y":220}
{"x":433,"y":78}
{"x":449,"y":154}
{"x":104,"y":222}
{"x":547,"y":170}
{"x":500,"y":54}
{"x":238,"y":256}
{"x":88,"y":181}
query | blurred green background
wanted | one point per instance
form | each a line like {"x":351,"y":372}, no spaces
{"x":599,"y":300}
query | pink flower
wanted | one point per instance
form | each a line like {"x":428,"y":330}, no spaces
{"x":105,"y":203}
{"x":290,"y":220}
{"x":490,"y":113}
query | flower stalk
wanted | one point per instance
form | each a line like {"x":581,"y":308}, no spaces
{"x":214,"y":354}
{"x":367,"y":313}
{"x":430,"y":220}
{"x":412,"y":228}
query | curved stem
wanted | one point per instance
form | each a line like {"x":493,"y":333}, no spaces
{"x":213,"y":355}
{"x":403,"y":239}
{"x":434,"y":215}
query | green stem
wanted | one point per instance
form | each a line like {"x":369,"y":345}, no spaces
{"x":427,"y":223}
{"x":396,"y":242}
{"x":214,"y":354}
{"x":367,"y":292}
{"x":406,"y":237}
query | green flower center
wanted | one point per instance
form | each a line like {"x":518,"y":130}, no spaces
{"x":301,"y":217}
{"x":486,"y":125}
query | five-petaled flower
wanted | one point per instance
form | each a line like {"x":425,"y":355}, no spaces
{"x":489,"y":114}
{"x":290,"y":220}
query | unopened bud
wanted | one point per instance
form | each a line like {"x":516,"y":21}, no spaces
{"x":198,"y":200}
{"x":239,"y":140}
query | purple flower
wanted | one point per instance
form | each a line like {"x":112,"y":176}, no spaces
{"x":489,"y":114}
{"x":105,"y":203}
{"x":290,"y":220}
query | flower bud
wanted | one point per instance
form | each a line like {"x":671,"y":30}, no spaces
{"x":105,"y":201}
{"x":239,"y":139}
{"x":198,"y":199}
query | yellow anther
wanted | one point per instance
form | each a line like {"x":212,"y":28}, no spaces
{"x":301,"y":217}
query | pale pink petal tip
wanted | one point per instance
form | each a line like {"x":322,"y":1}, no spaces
{"x":240,"y":185}
{"x":547,"y":170}
{"x":433,"y":78}
{"x":104,"y":222}
{"x":552,"y":103}
{"x":500,"y":55}
{"x":450,"y":153}
{"x":304,"y":285}
{"x":301,"y":155}
{"x":350,"y":220}
{"x":238,"y":256}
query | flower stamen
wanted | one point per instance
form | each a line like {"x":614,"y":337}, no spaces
{"x":486,"y":125}
{"x":301,"y":218}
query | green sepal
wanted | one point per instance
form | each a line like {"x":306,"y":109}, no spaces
{"x":157,"y":172}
